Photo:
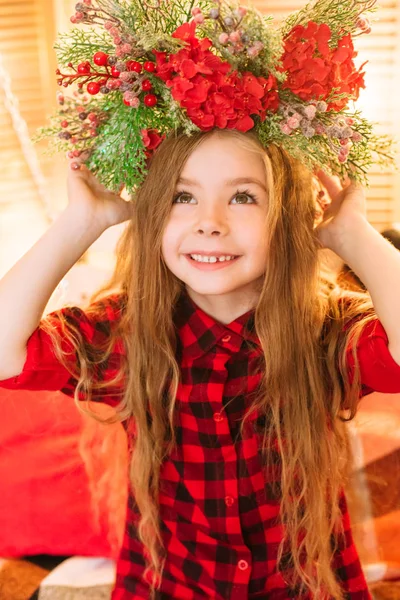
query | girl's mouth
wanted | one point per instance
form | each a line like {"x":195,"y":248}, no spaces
{"x":210,"y":266}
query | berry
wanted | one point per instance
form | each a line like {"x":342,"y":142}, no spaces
{"x":92,"y":133}
{"x":149,"y":66}
{"x":146,"y":85}
{"x":234,"y":36}
{"x":64,"y":123}
{"x":104,"y":89}
{"x":150,"y":100}
{"x":84,"y":68}
{"x":100,"y":59}
{"x":93,"y":88}
{"x":92,"y":116}
{"x":115,"y":72}
{"x":82,"y":116}
{"x":133,"y":65}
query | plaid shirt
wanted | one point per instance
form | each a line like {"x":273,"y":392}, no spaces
{"x":220,"y":519}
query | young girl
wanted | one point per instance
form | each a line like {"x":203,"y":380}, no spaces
{"x":231,"y":377}
{"x":231,"y":360}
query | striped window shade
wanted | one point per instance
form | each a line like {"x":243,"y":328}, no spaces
{"x":27,"y":70}
{"x":27,"y":32}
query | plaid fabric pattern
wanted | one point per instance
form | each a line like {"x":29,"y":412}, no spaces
{"x":220,"y":520}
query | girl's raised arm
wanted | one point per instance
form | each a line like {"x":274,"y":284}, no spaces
{"x":28,"y":285}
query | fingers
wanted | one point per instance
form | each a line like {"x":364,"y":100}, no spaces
{"x":77,"y":162}
{"x":330,"y":182}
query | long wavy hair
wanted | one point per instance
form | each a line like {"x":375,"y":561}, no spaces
{"x":305,"y":324}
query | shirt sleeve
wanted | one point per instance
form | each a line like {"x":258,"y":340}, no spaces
{"x":43,"y":370}
{"x":379,"y":372}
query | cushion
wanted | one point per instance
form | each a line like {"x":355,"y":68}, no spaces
{"x":64,"y":478}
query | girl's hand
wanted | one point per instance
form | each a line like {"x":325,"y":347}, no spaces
{"x":97,"y":203}
{"x":344,"y":211}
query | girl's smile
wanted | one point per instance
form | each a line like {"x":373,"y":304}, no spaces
{"x":210,"y":266}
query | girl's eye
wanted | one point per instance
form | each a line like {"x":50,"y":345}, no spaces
{"x":244,"y":196}
{"x":241,"y":197}
{"x":183,"y":195}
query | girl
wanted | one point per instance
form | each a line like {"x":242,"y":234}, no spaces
{"x":234,"y":378}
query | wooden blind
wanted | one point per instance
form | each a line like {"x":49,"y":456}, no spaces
{"x":26,"y":38}
{"x":27,"y":32}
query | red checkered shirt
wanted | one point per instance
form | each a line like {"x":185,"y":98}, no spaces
{"x":220,"y":519}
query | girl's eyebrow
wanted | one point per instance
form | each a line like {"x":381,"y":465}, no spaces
{"x":228,"y":182}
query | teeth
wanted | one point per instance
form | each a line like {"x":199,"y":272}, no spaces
{"x":210,"y":259}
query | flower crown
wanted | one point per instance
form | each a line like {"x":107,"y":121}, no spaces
{"x":144,"y":68}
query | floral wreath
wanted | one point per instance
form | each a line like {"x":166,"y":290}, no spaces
{"x":142,"y":69}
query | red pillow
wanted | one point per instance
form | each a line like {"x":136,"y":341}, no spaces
{"x":63,"y":478}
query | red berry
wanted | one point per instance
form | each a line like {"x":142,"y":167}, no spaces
{"x":115,"y":72}
{"x":64,"y":123}
{"x":92,"y":133}
{"x":102,"y":82}
{"x":150,"y":100}
{"x":146,"y":85}
{"x":93,"y":88}
{"x":134,"y":65}
{"x":76,"y":153}
{"x":84,"y":67}
{"x":100,"y":59}
{"x":149,"y":66}
{"x":92,"y":116}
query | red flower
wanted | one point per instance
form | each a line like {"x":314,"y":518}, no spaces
{"x":212,"y":94}
{"x":151,"y":140}
{"x":314,"y":69}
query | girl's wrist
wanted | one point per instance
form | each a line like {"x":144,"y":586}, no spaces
{"x":82,"y":221}
{"x":346,"y":239}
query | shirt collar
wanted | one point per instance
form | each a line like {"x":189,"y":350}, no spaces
{"x":199,"y":332}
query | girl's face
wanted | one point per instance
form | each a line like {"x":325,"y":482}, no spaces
{"x":219,"y":208}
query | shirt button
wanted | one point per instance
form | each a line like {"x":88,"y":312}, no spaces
{"x":226,"y":338}
{"x":218,"y":417}
{"x":229,"y":500}
{"x":243,"y":565}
